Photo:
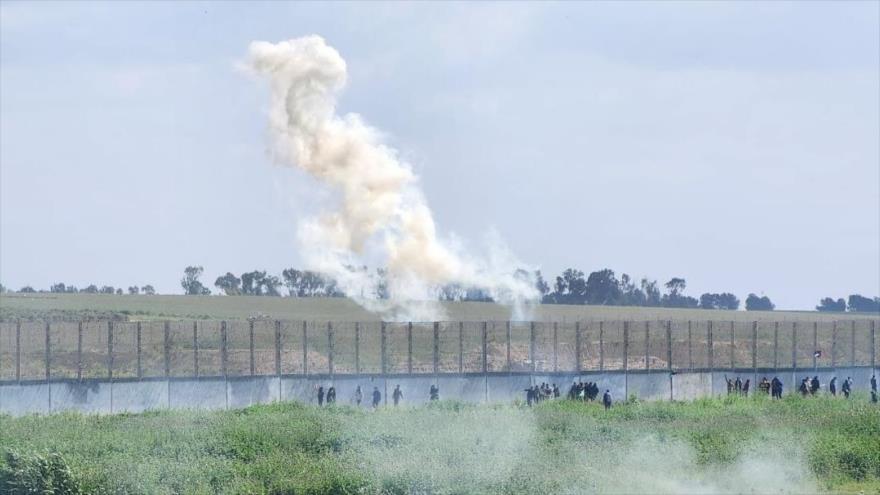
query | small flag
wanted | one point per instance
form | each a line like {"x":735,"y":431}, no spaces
{"x":817,"y":354}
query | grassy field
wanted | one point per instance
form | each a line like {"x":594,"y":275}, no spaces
{"x":141,"y":308}
{"x":730,"y":445}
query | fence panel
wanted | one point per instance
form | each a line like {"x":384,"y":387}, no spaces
{"x":124,"y":349}
{"x":496,"y":345}
{"x":210,"y":343}
{"x":589,"y":345}
{"x":721,"y":332}
{"x":743,"y":342}
{"x":181,"y":349}
{"x":153,"y":348}
{"x":804,"y":347}
{"x":543,"y":346}
{"x":566,"y":342}
{"x":63,"y":344}
{"x":238,"y":348}
{"x":397,"y":347}
{"x":343,"y":348}
{"x":863,"y":343}
{"x":7,"y":350}
{"x":472,"y":343}
{"x":94,"y":350}
{"x":766,"y":336}
{"x":371,"y":347}
{"x":824,"y":340}
{"x":700,"y":331}
{"x":681,"y":360}
{"x":264,"y":347}
{"x":292,"y":347}
{"x":316,"y":339}
{"x":658,"y":348}
{"x":521,"y":358}
{"x":449,"y":347}
{"x":841,"y":343}
{"x":613,"y":345}
{"x":423,"y":347}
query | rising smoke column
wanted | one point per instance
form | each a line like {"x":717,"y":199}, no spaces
{"x":381,"y":207}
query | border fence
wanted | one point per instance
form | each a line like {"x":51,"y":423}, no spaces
{"x":102,"y":350}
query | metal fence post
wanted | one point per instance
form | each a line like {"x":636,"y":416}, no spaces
{"x":776,"y":346}
{"x":382,"y":346}
{"x":509,"y":368}
{"x":48,"y":353}
{"x":330,"y":349}
{"x":140,"y":369}
{"x":532,"y":346}
{"x":647,"y":345}
{"x":18,"y":350}
{"x":815,"y":343}
{"x":461,"y":347}
{"x":196,"y":348}
{"x":710,"y":347}
{"x":834,"y":344}
{"x":732,"y":346}
{"x":601,"y":346}
{"x":669,"y":344}
{"x":436,"y":347}
{"x":357,"y":348}
{"x":485,"y":361}
{"x":625,"y":345}
{"x":794,"y":345}
{"x":555,"y":348}
{"x":278,"y":347}
{"x":690,"y":347}
{"x":755,"y":348}
{"x":167,"y":349}
{"x":110,"y":350}
{"x":577,"y":346}
{"x":224,"y":349}
{"x":79,"y":351}
{"x":409,"y":347}
{"x":852,"y":345}
{"x":305,"y":336}
{"x":253,"y":363}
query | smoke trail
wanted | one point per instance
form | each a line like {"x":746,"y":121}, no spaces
{"x":381,"y":207}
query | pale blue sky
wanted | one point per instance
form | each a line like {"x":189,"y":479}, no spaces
{"x":733,"y":144}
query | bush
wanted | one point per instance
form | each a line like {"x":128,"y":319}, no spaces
{"x":33,"y":474}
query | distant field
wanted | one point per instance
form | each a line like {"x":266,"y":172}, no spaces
{"x":711,"y":446}
{"x":144,"y":308}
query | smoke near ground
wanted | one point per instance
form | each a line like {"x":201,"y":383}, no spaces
{"x":380,"y":213}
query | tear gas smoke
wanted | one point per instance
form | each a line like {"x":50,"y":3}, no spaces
{"x":381,"y":208}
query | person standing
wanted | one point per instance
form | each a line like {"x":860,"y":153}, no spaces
{"x":606,"y":399}
{"x":320,"y":396}
{"x":847,"y":387}
{"x":331,"y":395}
{"x":434,"y":393}
{"x":832,"y":386}
{"x":377,"y":397}
{"x":397,"y":395}
{"x":358,"y":395}
{"x":873,"y":383}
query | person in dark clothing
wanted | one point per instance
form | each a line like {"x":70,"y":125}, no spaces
{"x":377,"y":397}
{"x":847,"y":387}
{"x":358,"y":395}
{"x":572,"y":392}
{"x":805,"y":386}
{"x":397,"y":395}
{"x":745,"y":390}
{"x":555,"y":391}
{"x":832,"y":386}
{"x":530,"y":396}
{"x":874,"y":383}
{"x":434,"y":393}
{"x":729,"y":385}
{"x":776,"y":388}
{"x":320,"y":396}
{"x":814,"y":385}
{"x":331,"y":395}
{"x":738,"y":385}
{"x":764,"y":386}
{"x":606,"y":399}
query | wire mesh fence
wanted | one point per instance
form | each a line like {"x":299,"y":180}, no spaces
{"x":204,"y":348}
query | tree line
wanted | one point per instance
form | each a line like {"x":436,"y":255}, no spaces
{"x":572,"y":286}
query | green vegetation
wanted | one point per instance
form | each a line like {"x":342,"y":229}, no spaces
{"x":143,"y":307}
{"x":729,"y":445}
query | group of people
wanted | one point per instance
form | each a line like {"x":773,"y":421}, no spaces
{"x":396,"y":395}
{"x":538,"y":393}
{"x":811,"y":386}
{"x":808,"y":386}
{"x":737,"y":386}
{"x":583,"y":391}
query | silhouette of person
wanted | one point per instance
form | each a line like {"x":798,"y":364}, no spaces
{"x":397,"y":395}
{"x":320,"y":396}
{"x":606,"y":399}
{"x":377,"y":397}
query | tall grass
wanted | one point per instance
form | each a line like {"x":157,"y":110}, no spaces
{"x":728,"y":445}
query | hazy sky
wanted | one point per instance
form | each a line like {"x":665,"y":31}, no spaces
{"x":733,"y":144}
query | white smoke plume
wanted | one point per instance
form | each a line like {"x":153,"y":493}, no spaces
{"x":380,"y":209}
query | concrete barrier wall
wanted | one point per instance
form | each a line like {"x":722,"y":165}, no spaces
{"x":217,"y":393}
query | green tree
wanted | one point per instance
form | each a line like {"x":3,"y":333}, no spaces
{"x":863,"y":304}
{"x":190,"y":282}
{"x":229,"y":284}
{"x":755,"y":303}
{"x":148,"y":290}
{"x":133,"y":290}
